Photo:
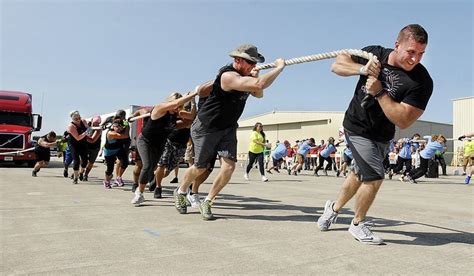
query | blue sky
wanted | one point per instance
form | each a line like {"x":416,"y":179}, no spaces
{"x":99,"y":56}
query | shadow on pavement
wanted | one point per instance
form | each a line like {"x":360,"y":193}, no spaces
{"x":420,"y":238}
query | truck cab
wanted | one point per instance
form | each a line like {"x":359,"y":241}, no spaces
{"x":17,"y":122}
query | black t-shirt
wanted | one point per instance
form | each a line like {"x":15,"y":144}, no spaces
{"x":39,"y":148}
{"x":413,"y":88}
{"x":180,"y":136}
{"x":80,"y":129}
{"x":157,"y":131}
{"x":222,"y":109}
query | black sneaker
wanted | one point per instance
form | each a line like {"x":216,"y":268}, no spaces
{"x":152,"y":185}
{"x":338,"y":173}
{"x":157,"y":192}
{"x":269,"y":171}
{"x":174,"y":180}
{"x":277,"y":170}
{"x":81,"y":176}
{"x":33,"y":173}
{"x":134,"y":187}
{"x":65,"y":174}
{"x":390,"y":175}
{"x":86,"y":178}
{"x":74,"y":181}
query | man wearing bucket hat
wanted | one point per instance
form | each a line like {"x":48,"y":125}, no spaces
{"x":215,"y":127}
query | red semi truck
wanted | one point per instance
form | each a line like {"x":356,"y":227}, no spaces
{"x":16,"y":125}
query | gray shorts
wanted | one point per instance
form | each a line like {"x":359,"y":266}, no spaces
{"x":207,"y":143}
{"x":368,"y":157}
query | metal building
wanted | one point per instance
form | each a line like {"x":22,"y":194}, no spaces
{"x":463,"y":121}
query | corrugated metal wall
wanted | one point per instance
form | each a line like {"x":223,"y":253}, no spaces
{"x":463,"y":120}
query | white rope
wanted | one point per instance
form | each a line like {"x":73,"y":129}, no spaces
{"x":316,"y":57}
{"x":131,"y":120}
{"x":16,"y":152}
{"x":139,"y":117}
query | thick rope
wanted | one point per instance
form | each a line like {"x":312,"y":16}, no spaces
{"x":16,"y":152}
{"x":316,"y":57}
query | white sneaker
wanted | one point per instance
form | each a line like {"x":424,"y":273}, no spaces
{"x":264,"y":178}
{"x":246,"y":176}
{"x":362,"y":233}
{"x":138,"y":199}
{"x":194,"y":200}
{"x":328,"y":217}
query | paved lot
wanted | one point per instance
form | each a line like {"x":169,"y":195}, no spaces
{"x":49,"y":226}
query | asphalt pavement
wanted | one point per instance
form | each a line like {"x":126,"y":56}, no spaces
{"x":51,"y":226}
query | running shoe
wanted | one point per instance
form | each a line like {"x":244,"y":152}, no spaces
{"x":65,"y":173}
{"x":106,"y":184}
{"x":264,"y":178}
{"x":86,"y":178}
{"x":138,"y":199}
{"x":180,"y":202}
{"x":411,"y":180}
{"x":205,"y":209}
{"x":33,"y":173}
{"x":152,"y":185}
{"x":81,"y":176}
{"x":362,"y":233}
{"x":194,"y":200}
{"x":157,"y":193}
{"x":120,"y":181}
{"x":328,"y":217}
{"x":246,"y":177}
{"x":467,"y":180}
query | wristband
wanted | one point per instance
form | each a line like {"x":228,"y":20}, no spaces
{"x":380,"y":93}
{"x":361,"y":71}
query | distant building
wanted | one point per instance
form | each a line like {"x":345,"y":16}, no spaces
{"x":293,"y":125}
{"x":463,"y":121}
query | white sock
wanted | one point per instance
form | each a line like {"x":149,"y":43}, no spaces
{"x":207,"y":198}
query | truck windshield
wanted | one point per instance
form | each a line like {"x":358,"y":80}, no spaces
{"x":12,"y":118}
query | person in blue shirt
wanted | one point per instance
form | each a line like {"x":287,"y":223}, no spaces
{"x":278,"y":156}
{"x":347,"y":161}
{"x":114,"y":150}
{"x":404,"y":157}
{"x":434,"y":143}
{"x":325,"y":155}
{"x":301,"y":154}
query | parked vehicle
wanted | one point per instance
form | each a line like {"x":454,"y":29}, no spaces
{"x":16,"y":125}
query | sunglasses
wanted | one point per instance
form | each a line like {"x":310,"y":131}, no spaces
{"x":250,"y":62}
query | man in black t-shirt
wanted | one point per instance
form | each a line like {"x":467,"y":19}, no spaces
{"x":215,"y":127}
{"x":399,"y":88}
{"x":43,"y":151}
